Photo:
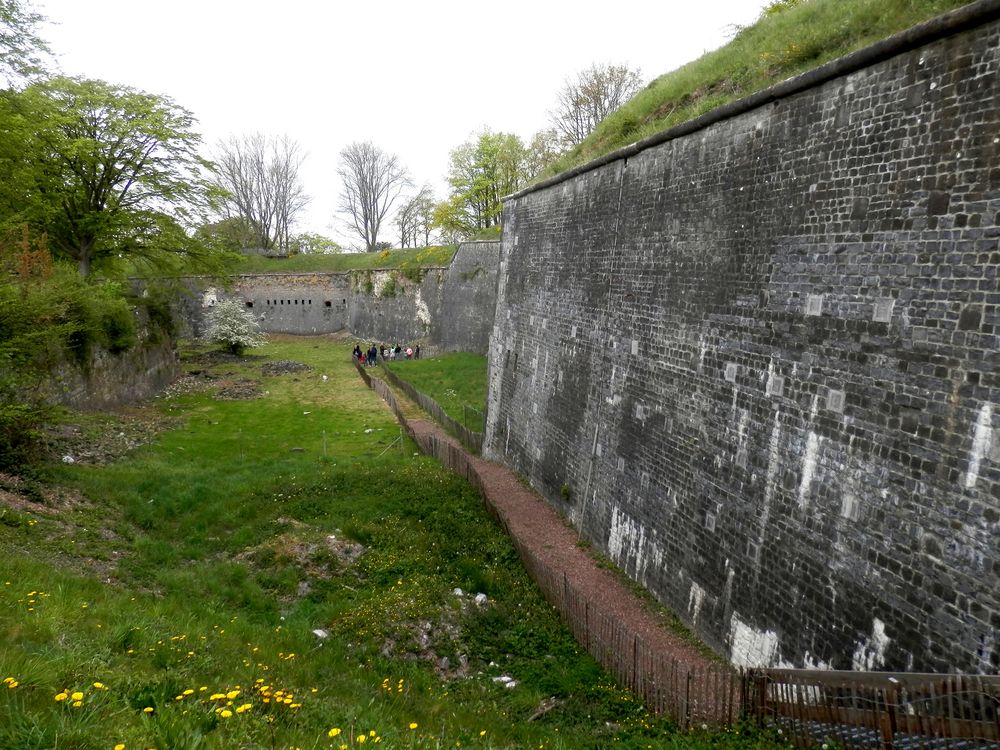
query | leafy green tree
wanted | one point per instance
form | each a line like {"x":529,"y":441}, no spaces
{"x":310,"y":243}
{"x":230,"y":325}
{"x":482,"y":172}
{"x":107,"y":172}
{"x":21,"y":49}
{"x":233,"y":235}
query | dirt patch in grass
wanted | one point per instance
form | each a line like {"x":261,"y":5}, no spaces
{"x":282,"y":367}
{"x":238,"y":390}
{"x":26,"y":495}
{"x":102,"y":441}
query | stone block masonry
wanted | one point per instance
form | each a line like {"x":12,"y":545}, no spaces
{"x":757,"y":361}
{"x":450,"y":308}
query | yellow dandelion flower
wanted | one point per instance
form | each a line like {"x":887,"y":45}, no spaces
{"x":413,"y":725}
{"x":77,"y":704}
{"x":216,"y":696}
{"x":371,"y":733}
{"x":362,"y":739}
{"x":147,"y":710}
{"x":12,"y":683}
{"x":225,"y":713}
{"x":482,"y":733}
{"x":232,"y":694}
{"x":61,"y":696}
{"x":120,"y":746}
{"x":189,"y":691}
{"x":333,"y":732}
{"x":244,"y":708}
{"x":100,"y":686}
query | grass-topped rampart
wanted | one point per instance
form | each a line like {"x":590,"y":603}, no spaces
{"x":408,"y":259}
{"x":794,"y":36}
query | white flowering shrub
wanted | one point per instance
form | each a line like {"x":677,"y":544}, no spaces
{"x":231,"y":325}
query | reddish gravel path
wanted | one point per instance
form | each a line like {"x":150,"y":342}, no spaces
{"x":538,"y":528}
{"x":612,"y":622}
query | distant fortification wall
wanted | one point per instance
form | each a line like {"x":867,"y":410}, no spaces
{"x":756,"y":360}
{"x":450,"y":308}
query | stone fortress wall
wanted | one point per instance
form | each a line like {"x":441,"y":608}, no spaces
{"x":451,"y":308}
{"x":756,"y":360}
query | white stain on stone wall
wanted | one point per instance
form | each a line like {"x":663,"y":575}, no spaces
{"x":870,"y":654}
{"x":695,"y":599}
{"x":423,"y":313}
{"x":379,"y":280}
{"x":626,"y":539}
{"x":749,"y":647}
{"x":808,"y":468}
{"x":980,"y":444}
{"x":209,"y":297}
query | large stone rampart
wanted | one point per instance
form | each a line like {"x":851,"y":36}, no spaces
{"x":450,"y":307}
{"x":756,"y":360}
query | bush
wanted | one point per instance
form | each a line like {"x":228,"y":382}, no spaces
{"x":232,"y":326}
{"x":98,"y":316}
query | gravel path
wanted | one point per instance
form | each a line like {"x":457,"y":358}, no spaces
{"x":617,"y":626}
{"x":539,"y":528}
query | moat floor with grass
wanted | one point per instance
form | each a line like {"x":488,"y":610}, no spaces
{"x":255,"y":559}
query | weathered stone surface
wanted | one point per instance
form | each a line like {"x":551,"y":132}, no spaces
{"x":758,"y":365}
{"x":451,"y":308}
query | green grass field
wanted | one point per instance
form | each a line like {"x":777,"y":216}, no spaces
{"x":456,"y":380}
{"x":169,"y":599}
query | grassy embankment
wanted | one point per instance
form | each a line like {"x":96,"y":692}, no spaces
{"x":168,"y":599}
{"x":456,"y":380}
{"x":779,"y":46}
{"x":410,"y":259}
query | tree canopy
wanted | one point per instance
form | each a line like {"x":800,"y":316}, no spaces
{"x":21,"y":49}
{"x":482,"y":171}
{"x":105,"y":171}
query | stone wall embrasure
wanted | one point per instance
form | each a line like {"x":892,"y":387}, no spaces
{"x":757,"y":362}
{"x":450,"y":308}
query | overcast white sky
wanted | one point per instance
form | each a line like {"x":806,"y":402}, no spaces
{"x":417,"y":79}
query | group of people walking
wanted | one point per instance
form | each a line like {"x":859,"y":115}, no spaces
{"x":370,"y":357}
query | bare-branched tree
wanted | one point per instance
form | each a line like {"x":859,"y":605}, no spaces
{"x":260,"y":177}
{"x":373,"y":181}
{"x":596,"y":93}
{"x":415,"y":218}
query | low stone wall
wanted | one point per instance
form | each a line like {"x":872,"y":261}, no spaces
{"x":109,"y":380}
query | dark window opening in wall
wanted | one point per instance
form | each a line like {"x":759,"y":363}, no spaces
{"x":249,"y":303}
{"x":310,"y":302}
{"x":288,"y":302}
{"x":282,"y":301}
{"x":328,"y":303}
{"x":296,"y":302}
{"x":344,"y":301}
